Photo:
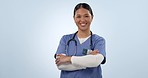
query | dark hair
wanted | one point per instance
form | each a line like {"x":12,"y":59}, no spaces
{"x":83,"y":5}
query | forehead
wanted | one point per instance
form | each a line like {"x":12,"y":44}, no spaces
{"x":82,"y":11}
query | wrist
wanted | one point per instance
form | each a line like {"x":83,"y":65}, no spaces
{"x":69,"y":59}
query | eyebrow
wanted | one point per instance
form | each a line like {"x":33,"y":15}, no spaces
{"x":81,"y":14}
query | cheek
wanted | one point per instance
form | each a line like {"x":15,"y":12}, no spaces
{"x":90,"y":20}
{"x":76,"y":21}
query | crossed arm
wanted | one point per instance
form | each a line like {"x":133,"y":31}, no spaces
{"x":71,"y":63}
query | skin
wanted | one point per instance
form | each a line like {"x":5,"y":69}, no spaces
{"x":83,"y":19}
{"x":62,"y":59}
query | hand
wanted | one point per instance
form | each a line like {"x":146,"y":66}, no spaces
{"x":94,"y":52}
{"x":62,"y":59}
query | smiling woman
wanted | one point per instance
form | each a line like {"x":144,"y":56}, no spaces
{"x":83,"y":16}
{"x":83,"y":19}
{"x":80,"y":55}
{"x":31,"y":29}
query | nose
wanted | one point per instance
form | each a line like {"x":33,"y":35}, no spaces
{"x":82,"y":19}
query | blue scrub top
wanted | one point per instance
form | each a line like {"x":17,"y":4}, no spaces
{"x":98,"y":43}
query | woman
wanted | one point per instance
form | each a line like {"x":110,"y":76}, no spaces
{"x":80,"y":55}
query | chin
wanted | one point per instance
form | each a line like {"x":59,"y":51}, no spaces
{"x":83,"y":29}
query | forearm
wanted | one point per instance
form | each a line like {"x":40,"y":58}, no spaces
{"x":81,"y":62}
{"x":70,"y":67}
{"x":88,"y":60}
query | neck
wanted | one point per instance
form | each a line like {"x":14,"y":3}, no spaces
{"x":83,"y":34}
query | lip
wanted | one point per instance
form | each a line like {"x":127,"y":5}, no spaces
{"x":83,"y":24}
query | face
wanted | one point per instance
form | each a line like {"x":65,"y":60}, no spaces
{"x":83,"y":19}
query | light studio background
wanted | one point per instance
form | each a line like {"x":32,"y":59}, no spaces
{"x":30,"y":31}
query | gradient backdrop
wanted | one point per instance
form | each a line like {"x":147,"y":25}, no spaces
{"x":30,"y":31}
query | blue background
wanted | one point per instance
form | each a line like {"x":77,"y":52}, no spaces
{"x":30,"y":31}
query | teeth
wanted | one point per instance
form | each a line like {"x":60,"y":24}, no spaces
{"x":83,"y":24}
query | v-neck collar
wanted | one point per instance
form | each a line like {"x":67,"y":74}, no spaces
{"x":76,"y":37}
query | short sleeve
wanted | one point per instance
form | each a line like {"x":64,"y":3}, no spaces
{"x":62,"y":46}
{"x":100,"y":45}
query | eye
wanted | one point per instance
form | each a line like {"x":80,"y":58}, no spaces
{"x":86,"y":16}
{"x":78,"y":16}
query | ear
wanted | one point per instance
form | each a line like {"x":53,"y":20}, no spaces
{"x":74,"y":18}
{"x":92,"y":19}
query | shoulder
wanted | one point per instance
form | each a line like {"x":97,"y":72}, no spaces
{"x":67,"y":37}
{"x":98,"y":38}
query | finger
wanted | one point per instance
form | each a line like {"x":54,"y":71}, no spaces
{"x":58,"y":63}
{"x":94,"y":53}
{"x":96,"y":50}
{"x":60,"y":55}
{"x":57,"y":60}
